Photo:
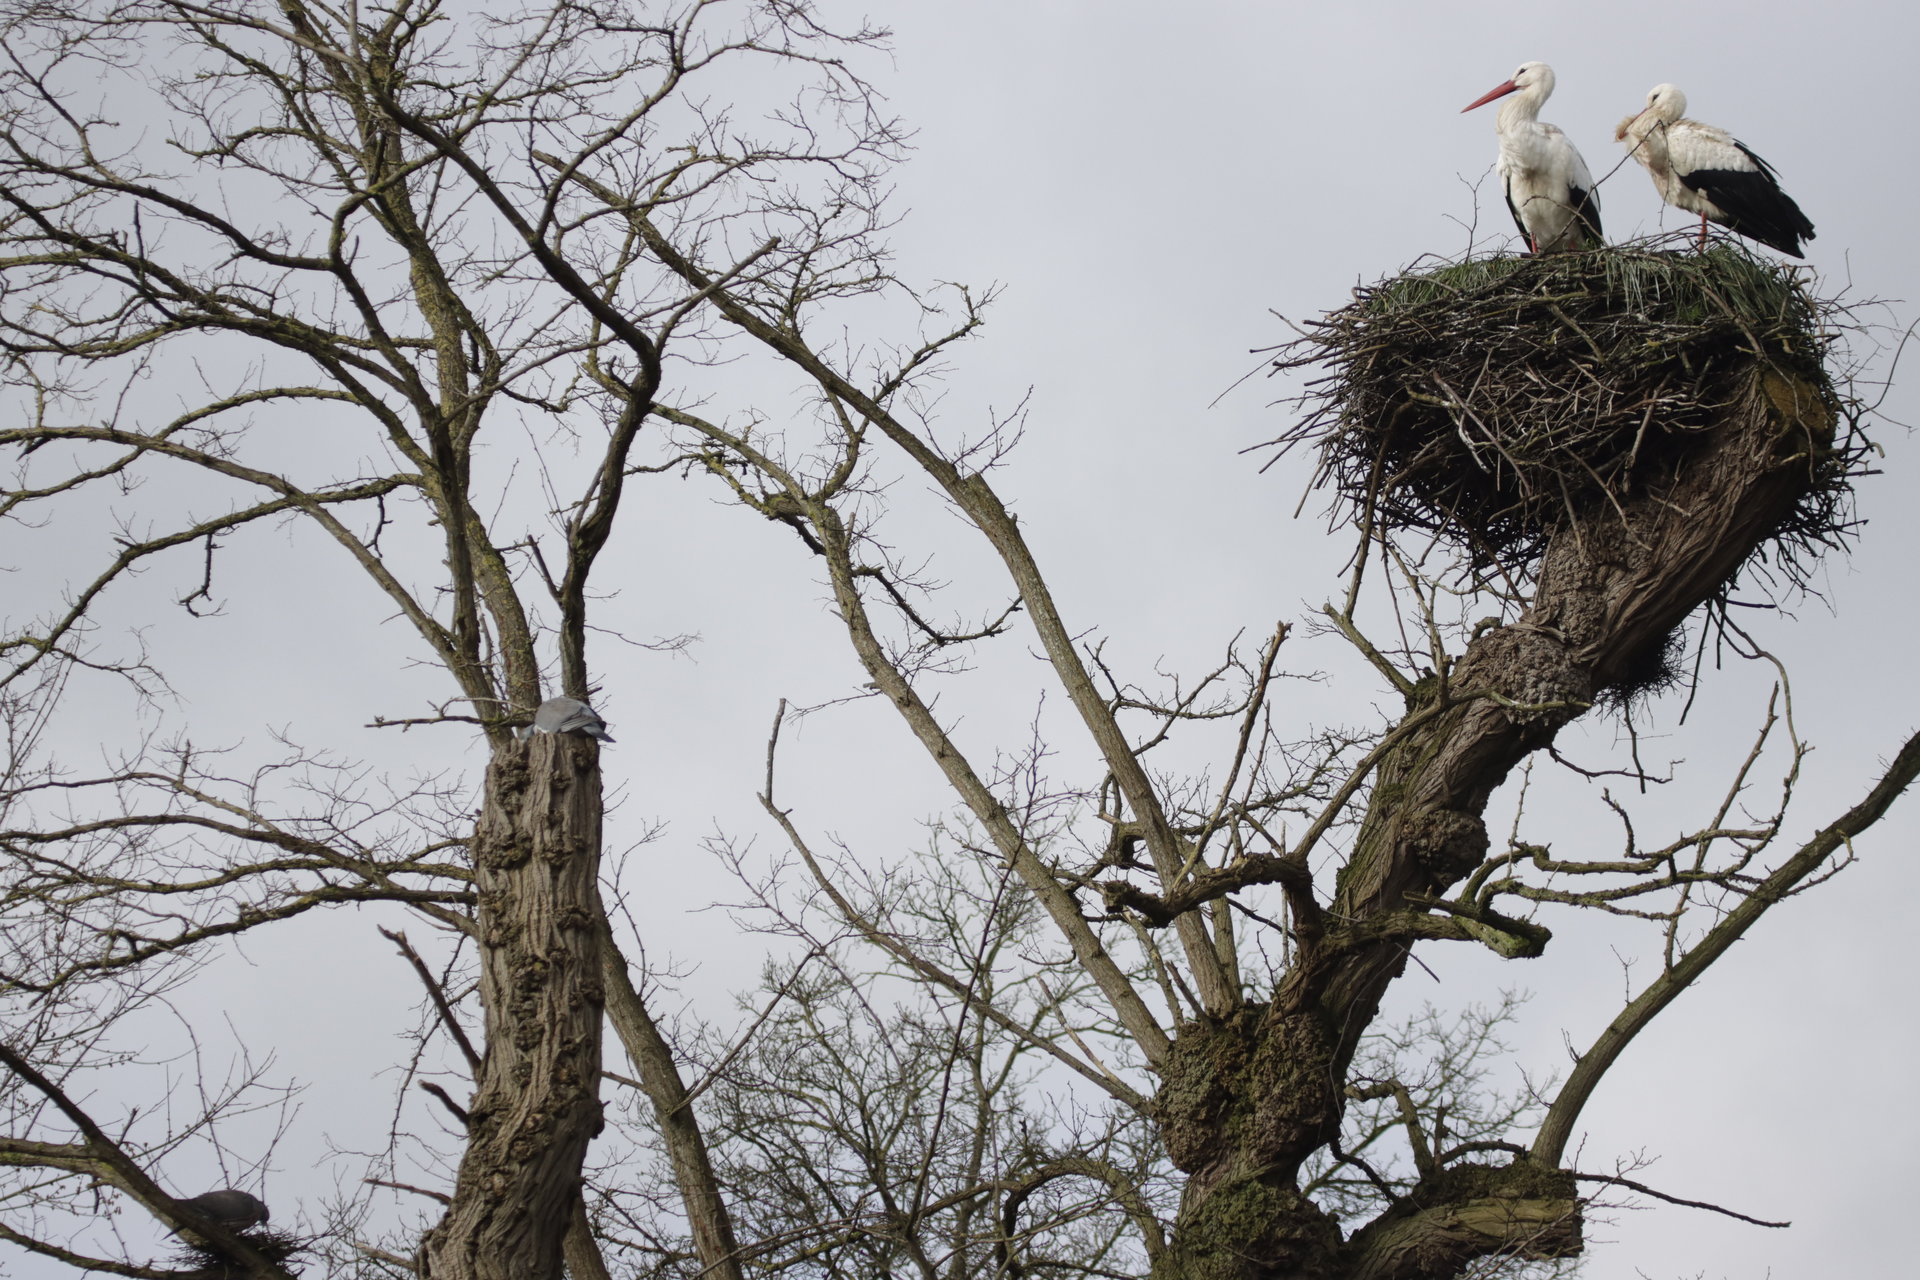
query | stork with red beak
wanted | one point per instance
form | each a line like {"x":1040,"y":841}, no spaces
{"x":1704,"y":170}
{"x":1546,"y":182}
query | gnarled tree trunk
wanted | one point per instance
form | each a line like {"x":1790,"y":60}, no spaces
{"x":536,"y":856}
{"x":1246,"y":1101}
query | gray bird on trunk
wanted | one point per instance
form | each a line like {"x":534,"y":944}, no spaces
{"x":567,"y":715}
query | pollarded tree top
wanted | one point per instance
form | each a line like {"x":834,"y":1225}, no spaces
{"x":1486,"y":404}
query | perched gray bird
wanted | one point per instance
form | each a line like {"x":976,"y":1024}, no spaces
{"x":235,"y":1210}
{"x":568,"y":715}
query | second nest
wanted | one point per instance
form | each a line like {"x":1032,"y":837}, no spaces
{"x":1486,"y":403}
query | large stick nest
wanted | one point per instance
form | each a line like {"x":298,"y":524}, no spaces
{"x":1485,"y":404}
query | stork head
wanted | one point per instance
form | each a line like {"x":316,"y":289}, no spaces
{"x":1665,"y":104}
{"x":1535,"y":79}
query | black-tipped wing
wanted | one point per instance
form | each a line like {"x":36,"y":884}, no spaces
{"x":1506,"y":189}
{"x":1586,"y":211}
{"x":1742,"y":186}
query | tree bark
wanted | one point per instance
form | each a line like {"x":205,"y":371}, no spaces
{"x":1246,"y":1100}
{"x":1613,"y":584}
{"x":1519,"y":1210}
{"x":581,"y":1250}
{"x":707,"y":1215}
{"x":536,"y":860}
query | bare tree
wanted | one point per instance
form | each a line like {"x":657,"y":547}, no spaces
{"x":442,"y":229}
{"x":874,"y":1124}
{"x":365,"y":222}
{"x":1587,"y":531}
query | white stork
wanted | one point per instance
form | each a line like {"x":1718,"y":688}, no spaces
{"x":1547,"y":184}
{"x":1708,"y":171}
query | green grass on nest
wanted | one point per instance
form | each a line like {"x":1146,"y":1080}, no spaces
{"x":1484,"y":404}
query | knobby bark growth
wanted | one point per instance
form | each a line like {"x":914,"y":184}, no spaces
{"x":539,"y":931}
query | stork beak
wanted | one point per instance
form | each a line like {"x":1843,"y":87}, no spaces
{"x":1498,"y":91}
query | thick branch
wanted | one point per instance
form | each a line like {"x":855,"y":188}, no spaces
{"x":1557,"y":1128}
{"x":708,"y":1217}
{"x":1612,"y":584}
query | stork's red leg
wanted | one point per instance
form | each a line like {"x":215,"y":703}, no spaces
{"x":1703,"y":233}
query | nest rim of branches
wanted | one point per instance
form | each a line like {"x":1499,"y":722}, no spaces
{"x":1479,"y":405}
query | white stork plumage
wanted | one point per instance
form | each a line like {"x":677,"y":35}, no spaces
{"x":1701,"y":169}
{"x":1546,"y":182}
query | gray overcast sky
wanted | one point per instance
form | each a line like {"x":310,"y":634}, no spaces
{"x":1148,"y":182}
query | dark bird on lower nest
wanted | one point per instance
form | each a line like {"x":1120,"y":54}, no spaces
{"x":235,"y":1210}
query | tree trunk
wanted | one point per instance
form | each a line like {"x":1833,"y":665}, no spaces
{"x":1613,"y":584}
{"x":1245,"y":1100}
{"x":536,"y":857}
{"x":707,"y":1215}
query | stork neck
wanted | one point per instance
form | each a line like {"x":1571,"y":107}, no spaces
{"x":1521,"y":106}
{"x":1646,"y":131}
